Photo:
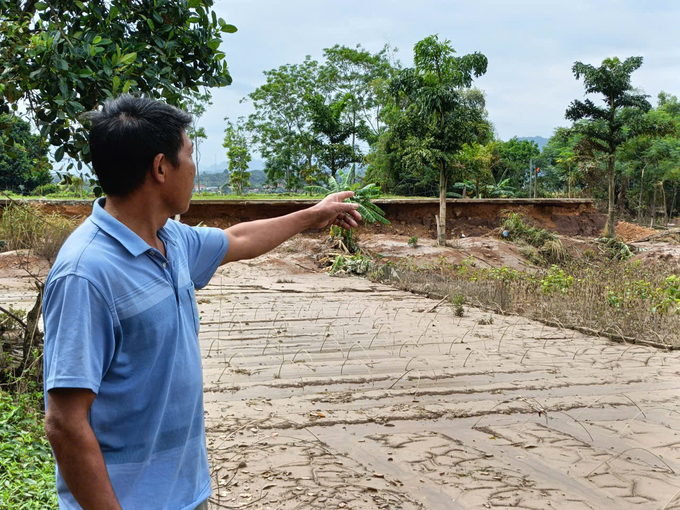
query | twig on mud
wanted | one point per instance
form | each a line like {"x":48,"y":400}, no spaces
{"x":626,"y":451}
{"x":639,"y":413}
{"x":349,"y":352}
{"x":603,"y":396}
{"x":671,"y":500}
{"x":485,"y":356}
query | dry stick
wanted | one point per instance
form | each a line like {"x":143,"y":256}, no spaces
{"x":540,"y":352}
{"x":494,"y":407}
{"x":463,"y":338}
{"x":472,"y":350}
{"x":603,"y":396}
{"x":402,"y":346}
{"x":370,"y":374}
{"x":638,"y":414}
{"x":584,"y":349}
{"x":581,"y":424}
{"x":626,"y":451}
{"x":18,"y":319}
{"x":504,"y":332}
{"x":350,"y":350}
{"x":670,"y":500}
{"x":434,"y":375}
{"x":375,"y":336}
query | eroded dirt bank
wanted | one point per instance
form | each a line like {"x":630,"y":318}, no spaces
{"x":571,"y":217}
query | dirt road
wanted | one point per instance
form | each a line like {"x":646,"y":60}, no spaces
{"x":331,"y":393}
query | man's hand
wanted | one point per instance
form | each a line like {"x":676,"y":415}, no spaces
{"x":332,"y":210}
{"x":251,"y":239}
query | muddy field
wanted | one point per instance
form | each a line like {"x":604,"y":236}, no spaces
{"x":326,"y":392}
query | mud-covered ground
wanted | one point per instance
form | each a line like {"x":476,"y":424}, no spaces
{"x":325,"y":392}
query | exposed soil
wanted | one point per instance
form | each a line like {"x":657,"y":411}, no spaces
{"x":630,"y":232}
{"x":328,"y":392}
{"x":332,"y":393}
{"x":472,"y":217}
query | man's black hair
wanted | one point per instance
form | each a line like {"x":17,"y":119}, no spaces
{"x":127,"y":134}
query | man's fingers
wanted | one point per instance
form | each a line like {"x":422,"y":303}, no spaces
{"x":344,"y":195}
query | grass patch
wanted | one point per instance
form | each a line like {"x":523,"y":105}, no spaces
{"x":26,"y":227}
{"x":538,"y":245}
{"x":26,"y":462}
{"x":604,"y":295}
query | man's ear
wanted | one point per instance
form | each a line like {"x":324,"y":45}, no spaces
{"x":159,"y":168}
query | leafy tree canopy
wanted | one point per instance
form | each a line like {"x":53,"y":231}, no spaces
{"x":22,"y":168}
{"x":66,"y":57}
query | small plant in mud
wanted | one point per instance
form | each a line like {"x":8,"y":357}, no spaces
{"x":556,"y":281}
{"x":351,"y":264}
{"x":413,"y":242}
{"x":458,"y":302}
{"x":485,"y":321}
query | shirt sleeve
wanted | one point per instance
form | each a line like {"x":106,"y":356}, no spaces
{"x":80,"y":338}
{"x":206,"y":248}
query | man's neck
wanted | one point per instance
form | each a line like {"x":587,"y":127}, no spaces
{"x":143,"y":216}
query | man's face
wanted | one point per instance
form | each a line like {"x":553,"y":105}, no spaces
{"x":181,"y":178}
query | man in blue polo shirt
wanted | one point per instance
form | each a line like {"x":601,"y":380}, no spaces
{"x":123,"y":380}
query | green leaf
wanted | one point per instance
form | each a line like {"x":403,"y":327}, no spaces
{"x":40,"y":6}
{"x":194,"y":3}
{"x":59,"y":154}
{"x":126,"y":86}
{"x":97,"y":39}
{"x":80,"y":4}
{"x":150,"y":23}
{"x":227,"y":28}
{"x":214,"y":44}
{"x":128,"y":58}
{"x":116,"y":84}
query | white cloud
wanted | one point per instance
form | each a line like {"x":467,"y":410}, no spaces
{"x":531,"y":46}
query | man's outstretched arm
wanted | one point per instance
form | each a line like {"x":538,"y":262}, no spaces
{"x":77,"y":450}
{"x":250,"y":239}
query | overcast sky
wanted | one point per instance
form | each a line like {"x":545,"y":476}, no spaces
{"x":530,"y":45}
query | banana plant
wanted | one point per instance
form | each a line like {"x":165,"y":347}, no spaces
{"x":362,"y":195}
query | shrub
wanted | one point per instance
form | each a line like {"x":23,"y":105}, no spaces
{"x":26,"y":227}
{"x":413,"y":242}
{"x":26,"y":463}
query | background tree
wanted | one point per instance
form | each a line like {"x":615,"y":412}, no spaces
{"x":63,"y":58}
{"x":332,"y":131}
{"x":23,"y":159}
{"x":238,"y":151}
{"x":434,"y":86}
{"x":605,"y":129}
{"x":196,"y":103}
{"x":281,"y":124}
{"x":515,"y":157}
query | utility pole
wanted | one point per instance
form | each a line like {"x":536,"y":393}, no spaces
{"x":531,"y":176}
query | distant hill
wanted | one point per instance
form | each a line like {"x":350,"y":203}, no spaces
{"x":540,"y":141}
{"x":255,"y":164}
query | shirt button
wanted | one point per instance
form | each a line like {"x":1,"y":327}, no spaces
{"x":164,"y":264}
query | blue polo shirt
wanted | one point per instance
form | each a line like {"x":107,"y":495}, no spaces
{"x":121,"y":320}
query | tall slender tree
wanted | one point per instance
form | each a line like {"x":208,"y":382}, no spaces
{"x":434,"y":86}
{"x":608,"y":126}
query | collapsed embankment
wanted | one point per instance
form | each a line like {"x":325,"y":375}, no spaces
{"x":570,"y":217}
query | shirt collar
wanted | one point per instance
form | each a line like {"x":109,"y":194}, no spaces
{"x":121,"y":233}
